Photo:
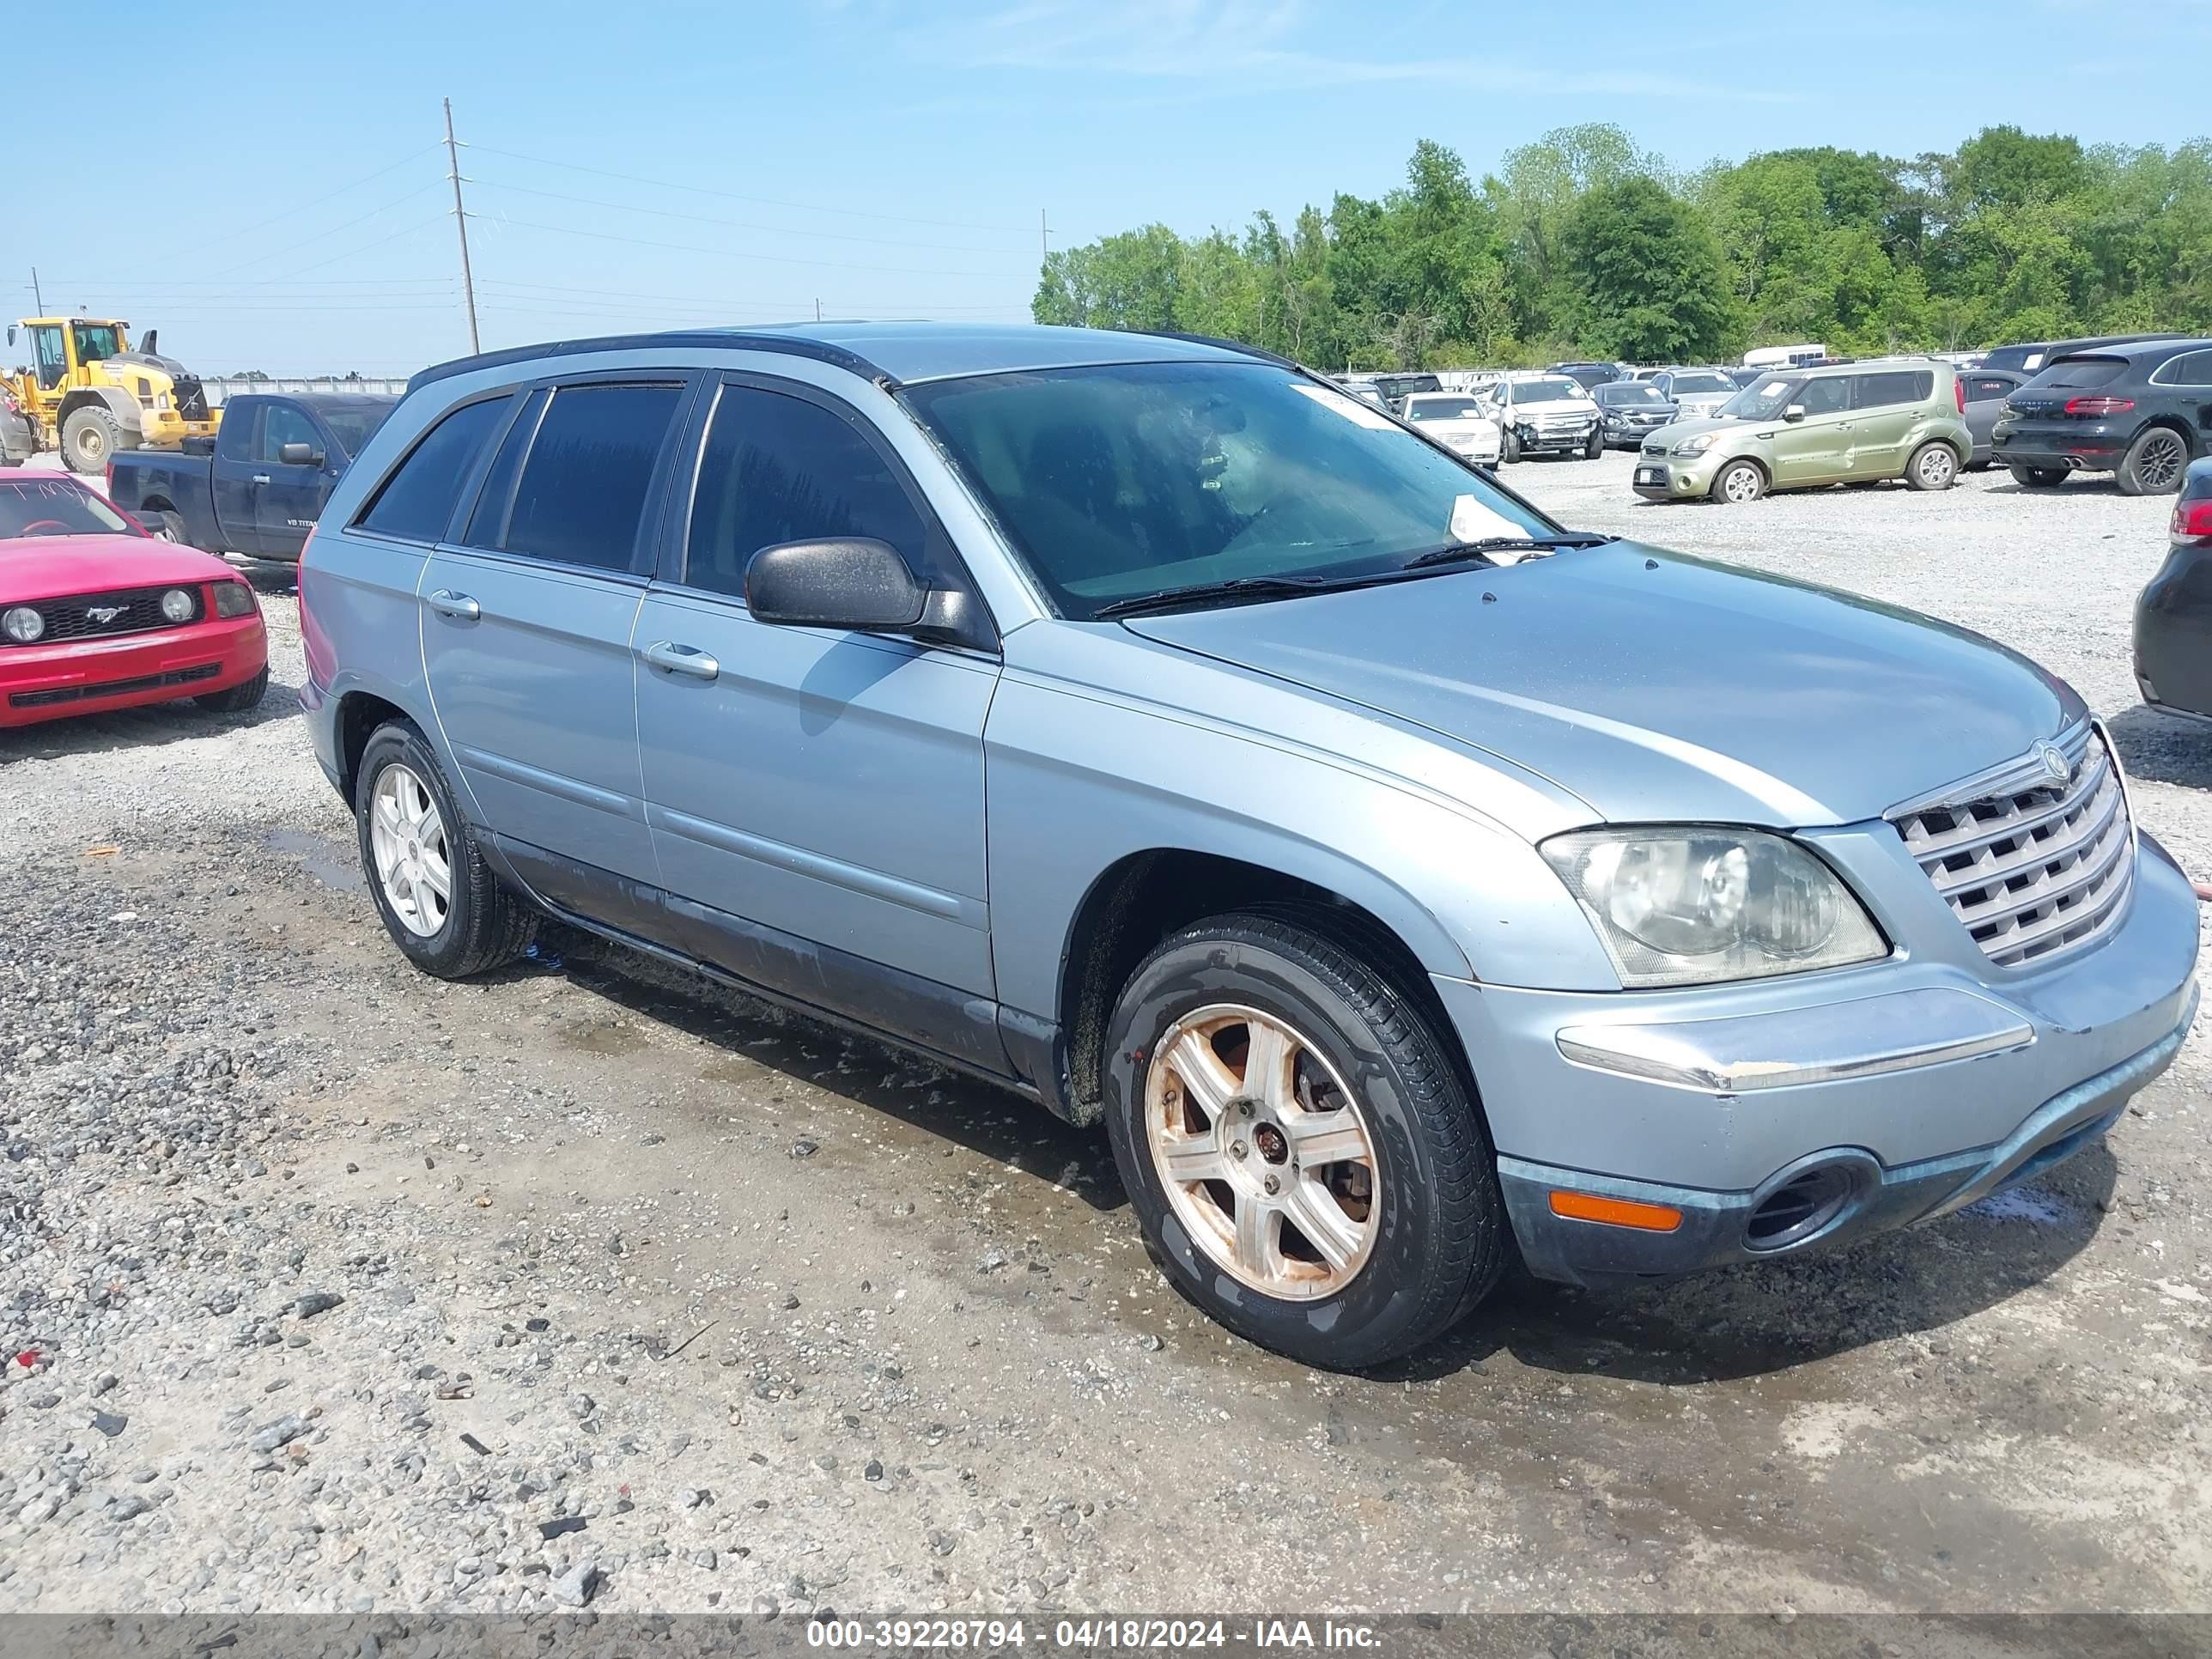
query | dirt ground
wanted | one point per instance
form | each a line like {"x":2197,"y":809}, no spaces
{"x":785,"y":1320}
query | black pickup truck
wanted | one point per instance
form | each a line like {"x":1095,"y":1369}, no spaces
{"x":257,"y":485}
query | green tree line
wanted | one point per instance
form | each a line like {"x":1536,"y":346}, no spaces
{"x":1582,"y":245}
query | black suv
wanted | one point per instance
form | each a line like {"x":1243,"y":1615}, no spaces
{"x":2026,"y":356}
{"x":2140,"y":412}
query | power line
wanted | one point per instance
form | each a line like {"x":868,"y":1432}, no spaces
{"x":731,"y":224}
{"x":733,"y":253}
{"x":404,"y":230}
{"x":331,"y":195}
{"x":761,"y":201}
{"x":260,"y":258}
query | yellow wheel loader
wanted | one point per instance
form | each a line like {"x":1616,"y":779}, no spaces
{"x":89,"y":394}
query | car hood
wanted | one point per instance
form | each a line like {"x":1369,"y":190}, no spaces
{"x":50,"y":566}
{"x":1658,"y":687}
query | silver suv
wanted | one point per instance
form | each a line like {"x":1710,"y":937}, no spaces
{"x":1158,"y":731}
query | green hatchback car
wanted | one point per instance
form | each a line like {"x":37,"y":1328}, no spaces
{"x":1797,"y":428}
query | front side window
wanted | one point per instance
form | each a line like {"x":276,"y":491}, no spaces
{"x":96,"y":342}
{"x":283,"y":424}
{"x":1127,"y":480}
{"x":52,"y":360}
{"x":782,"y":469}
{"x":417,"y":500}
{"x":580,"y":498}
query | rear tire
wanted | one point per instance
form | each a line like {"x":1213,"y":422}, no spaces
{"x":2153,"y":464}
{"x":89,"y":437}
{"x":237,"y":699}
{"x":2037,"y":478}
{"x":1738,"y":484}
{"x":484,"y":925}
{"x":1934,"y":466}
{"x":1404,"y":1188}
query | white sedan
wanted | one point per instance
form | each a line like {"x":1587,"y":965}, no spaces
{"x":1458,"y":422}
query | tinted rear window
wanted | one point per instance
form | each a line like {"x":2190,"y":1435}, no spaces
{"x":1897,"y":386}
{"x":417,"y":500}
{"x":2082,"y":372}
{"x":581,"y":496}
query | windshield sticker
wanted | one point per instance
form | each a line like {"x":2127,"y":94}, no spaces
{"x":1352,"y":409}
{"x":1774,"y":388}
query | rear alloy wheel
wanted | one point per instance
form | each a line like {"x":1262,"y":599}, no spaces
{"x":2037,"y":478}
{"x":2153,"y":464}
{"x":439,"y":901}
{"x":1933,"y":466}
{"x":1738,"y":483}
{"x":1341,"y":1224}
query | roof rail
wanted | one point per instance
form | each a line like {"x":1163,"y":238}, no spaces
{"x":714,"y":339}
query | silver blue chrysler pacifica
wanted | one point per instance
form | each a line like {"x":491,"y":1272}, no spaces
{"x":1151,"y":727}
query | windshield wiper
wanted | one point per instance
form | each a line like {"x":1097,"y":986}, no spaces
{"x":1455,"y":552}
{"x":1237,"y":587}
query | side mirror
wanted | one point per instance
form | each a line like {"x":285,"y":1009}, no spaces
{"x":1794,"y":412}
{"x":300,"y":455}
{"x":860,"y":583}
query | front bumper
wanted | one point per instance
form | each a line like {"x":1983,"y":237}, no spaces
{"x":164,"y":428}
{"x":1675,"y":477}
{"x":89,"y":676}
{"x":1558,"y":441}
{"x":1915,"y":1084}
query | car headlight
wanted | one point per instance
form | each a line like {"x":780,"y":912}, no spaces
{"x":1696,"y":906}
{"x":232,"y":599}
{"x":177,"y":605}
{"x":22,"y":624}
{"x":1699,"y":444}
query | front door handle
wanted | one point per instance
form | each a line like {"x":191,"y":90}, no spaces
{"x":261,"y":478}
{"x":446,"y":603}
{"x":687,"y":660}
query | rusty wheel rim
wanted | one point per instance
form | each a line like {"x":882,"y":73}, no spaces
{"x":1263,"y":1152}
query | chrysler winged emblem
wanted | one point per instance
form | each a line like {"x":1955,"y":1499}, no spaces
{"x":2054,"y":761}
{"x":104,"y":614}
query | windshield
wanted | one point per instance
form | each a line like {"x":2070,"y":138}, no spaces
{"x":1552,"y":389}
{"x":1442,"y":409}
{"x":55,"y":507}
{"x":1629,"y":391}
{"x":96,"y":342}
{"x":1764,"y":400}
{"x":1132,"y":479}
{"x":354,"y":427}
{"x":1700,"y":381}
{"x":2081,"y":372}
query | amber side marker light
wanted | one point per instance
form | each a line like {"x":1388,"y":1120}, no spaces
{"x":1616,"y":1211}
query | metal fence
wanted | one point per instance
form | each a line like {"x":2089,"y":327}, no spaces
{"x":222,"y":387}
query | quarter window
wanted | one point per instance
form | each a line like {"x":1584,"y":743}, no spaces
{"x":580,"y":498}
{"x":1896,"y":387}
{"x":782,"y":469}
{"x":417,"y":501}
{"x":2195,"y":369}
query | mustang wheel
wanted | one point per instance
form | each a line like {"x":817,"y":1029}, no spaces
{"x":1306,"y":1164}
{"x":438,"y":900}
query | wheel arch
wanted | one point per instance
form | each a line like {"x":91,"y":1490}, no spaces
{"x":1145,"y":897}
{"x":116,"y":401}
{"x":358,"y":715}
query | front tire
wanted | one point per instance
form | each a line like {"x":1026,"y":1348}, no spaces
{"x":1933,"y":466}
{"x":168,"y":525}
{"x":1595,"y":448}
{"x":2153,"y":464}
{"x":1509,"y":447}
{"x":439,"y":901}
{"x":1739,"y":484}
{"x":1341,"y":1224}
{"x":237,"y":699}
{"x":89,"y":437}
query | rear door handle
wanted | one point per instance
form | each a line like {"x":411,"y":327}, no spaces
{"x":446,"y":603}
{"x":261,"y":478}
{"x":688,"y":659}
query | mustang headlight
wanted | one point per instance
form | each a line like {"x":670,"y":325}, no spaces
{"x":1699,"y":444}
{"x":178,"y":605}
{"x":232,"y":599}
{"x":1694,"y":906}
{"x":22,"y":624}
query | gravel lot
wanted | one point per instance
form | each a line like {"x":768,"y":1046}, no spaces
{"x":329,"y":1286}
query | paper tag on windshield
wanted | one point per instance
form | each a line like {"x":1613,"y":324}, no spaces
{"x":1351,"y":408}
{"x":1774,"y":388}
{"x":1471,"y":521}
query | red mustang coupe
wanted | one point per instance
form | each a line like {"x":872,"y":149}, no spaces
{"x":95,"y":614}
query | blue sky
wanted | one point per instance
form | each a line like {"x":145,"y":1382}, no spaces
{"x":269,"y":190}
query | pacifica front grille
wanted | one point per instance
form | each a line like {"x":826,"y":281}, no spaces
{"x":2032,"y":863}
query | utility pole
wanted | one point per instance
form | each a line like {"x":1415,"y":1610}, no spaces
{"x":37,"y":298}
{"x":817,"y":310}
{"x":1044,"y":238}
{"x":461,"y":221}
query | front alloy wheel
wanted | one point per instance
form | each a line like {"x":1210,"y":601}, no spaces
{"x":1262,"y":1151}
